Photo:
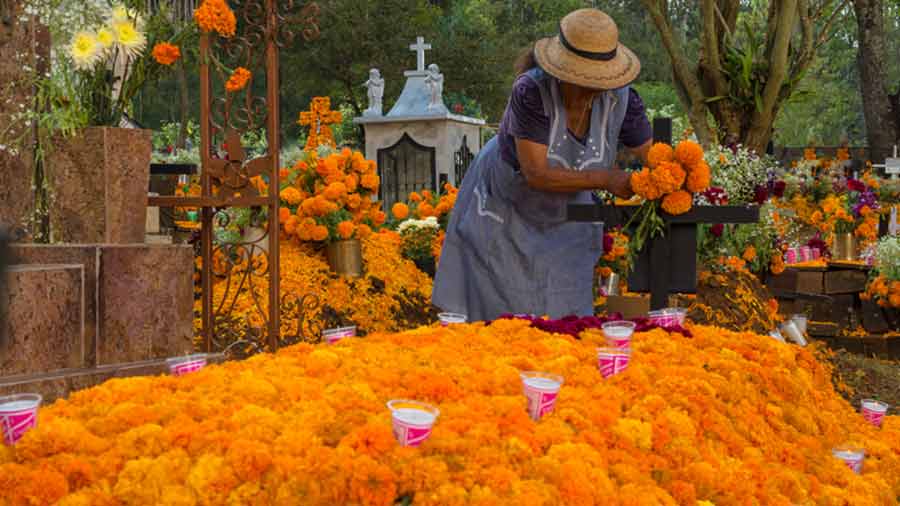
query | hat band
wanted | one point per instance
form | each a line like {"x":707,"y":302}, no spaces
{"x":590,"y":55}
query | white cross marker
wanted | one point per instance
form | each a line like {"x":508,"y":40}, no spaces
{"x":420,"y":47}
{"x":891,"y":166}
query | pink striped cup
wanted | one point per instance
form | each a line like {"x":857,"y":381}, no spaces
{"x":332,"y":336}
{"x":668,"y":317}
{"x":18,"y":415}
{"x":179,"y":366}
{"x":873,"y":411}
{"x":852,"y":456}
{"x":541,"y":390}
{"x":790,"y":256}
{"x":412,"y":421}
{"x":805,"y":254}
{"x":612,"y":361}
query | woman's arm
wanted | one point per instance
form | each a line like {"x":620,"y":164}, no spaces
{"x":641,"y":151}
{"x":540,"y":176}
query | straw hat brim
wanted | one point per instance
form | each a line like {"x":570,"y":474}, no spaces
{"x":567,"y":66}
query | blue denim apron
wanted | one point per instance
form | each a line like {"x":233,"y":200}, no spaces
{"x":509,"y":248}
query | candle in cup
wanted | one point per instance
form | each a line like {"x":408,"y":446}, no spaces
{"x":618,"y":333}
{"x":18,"y":415}
{"x":412,"y":421}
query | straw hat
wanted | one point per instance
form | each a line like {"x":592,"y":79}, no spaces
{"x":587,"y":52}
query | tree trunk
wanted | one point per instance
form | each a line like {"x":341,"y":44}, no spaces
{"x":881,"y":122}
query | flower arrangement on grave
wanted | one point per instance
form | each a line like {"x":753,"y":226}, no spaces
{"x":329,"y":195}
{"x":668,"y":183}
{"x":884,"y":283}
{"x":429,"y":204}
{"x":756,"y":247}
{"x":615,"y":258}
{"x":720,"y":418}
{"x":739,"y":173}
{"x":418,"y":238}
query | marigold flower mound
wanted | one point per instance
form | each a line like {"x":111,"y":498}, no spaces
{"x":392,"y":295}
{"x":722,"y":419}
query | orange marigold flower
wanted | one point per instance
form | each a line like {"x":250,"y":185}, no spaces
{"x":291,"y":195}
{"x":319,"y":233}
{"x":283,"y":214}
{"x":370,"y":182}
{"x":678,"y":202}
{"x":698,"y":178}
{"x":216,"y":16}
{"x":238,"y":80}
{"x":688,"y":153}
{"x":415,"y":197}
{"x":425,"y":210}
{"x":668,"y":177}
{"x":165,"y":53}
{"x":642,"y":184}
{"x":749,"y":254}
{"x":345,"y":229}
{"x":660,"y":152}
{"x":364,"y":231}
{"x":335,"y":191}
{"x":400,"y":211}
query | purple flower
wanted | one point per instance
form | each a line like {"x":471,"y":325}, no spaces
{"x":608,"y":243}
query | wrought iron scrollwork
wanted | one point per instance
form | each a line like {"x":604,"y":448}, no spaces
{"x":302,"y":311}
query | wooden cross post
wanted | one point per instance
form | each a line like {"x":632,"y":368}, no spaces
{"x":667,"y":264}
{"x":318,"y":118}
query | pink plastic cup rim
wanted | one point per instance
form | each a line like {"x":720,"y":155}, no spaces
{"x":18,"y":415}
{"x":186,"y":364}
{"x":875,"y":406}
{"x":545,"y":375}
{"x":668,"y":317}
{"x":450,"y":318}
{"x":395,"y":404}
{"x":332,"y":336}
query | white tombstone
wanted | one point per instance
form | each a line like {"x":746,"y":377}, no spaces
{"x":421,"y":118}
{"x":891,"y":165}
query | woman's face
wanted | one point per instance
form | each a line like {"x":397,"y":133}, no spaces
{"x":574,"y":91}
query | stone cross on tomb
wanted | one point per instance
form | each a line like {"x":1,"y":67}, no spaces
{"x":419,"y":47}
{"x":891,"y":165}
{"x":318,"y":118}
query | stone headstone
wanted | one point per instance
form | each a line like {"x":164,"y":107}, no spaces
{"x":24,"y":51}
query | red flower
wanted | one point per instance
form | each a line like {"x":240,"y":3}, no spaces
{"x":608,"y":243}
{"x":778,"y":188}
{"x":855,"y":185}
{"x":717,"y":229}
{"x":761,"y":195}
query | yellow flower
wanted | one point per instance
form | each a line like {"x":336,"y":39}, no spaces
{"x":106,"y":38}
{"x":130,"y":39}
{"x":85,"y":50}
{"x":120,"y":13}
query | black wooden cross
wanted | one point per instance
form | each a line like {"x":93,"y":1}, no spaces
{"x":668,"y":263}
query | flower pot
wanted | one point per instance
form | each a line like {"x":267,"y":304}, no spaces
{"x":345,"y":257}
{"x":844,"y":247}
{"x":99,"y":180}
{"x":426,"y":265}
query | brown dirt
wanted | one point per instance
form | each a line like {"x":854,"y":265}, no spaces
{"x":867,"y":378}
{"x":735,"y":301}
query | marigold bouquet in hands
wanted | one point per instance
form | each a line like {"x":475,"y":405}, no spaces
{"x":329,"y":195}
{"x":668,"y":183}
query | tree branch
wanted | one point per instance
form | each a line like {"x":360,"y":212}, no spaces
{"x":711,"y":60}
{"x":778,"y":58}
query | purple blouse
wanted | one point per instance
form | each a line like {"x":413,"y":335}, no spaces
{"x":524,"y":118}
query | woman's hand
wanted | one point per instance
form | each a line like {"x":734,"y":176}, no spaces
{"x":619,"y":183}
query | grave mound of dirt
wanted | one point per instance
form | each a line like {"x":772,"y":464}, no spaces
{"x":735,"y":300}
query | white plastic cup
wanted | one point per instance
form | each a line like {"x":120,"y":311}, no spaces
{"x":541,"y":390}
{"x":668,"y":317}
{"x":612,"y":361}
{"x":332,"y":336}
{"x":800,"y":320}
{"x":777,"y":335}
{"x":873,"y":411}
{"x":18,"y":415}
{"x":790,"y":330}
{"x":852,"y":456}
{"x":179,"y":366}
{"x":451,"y":318}
{"x":618,"y":333}
{"x":412,"y":421}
